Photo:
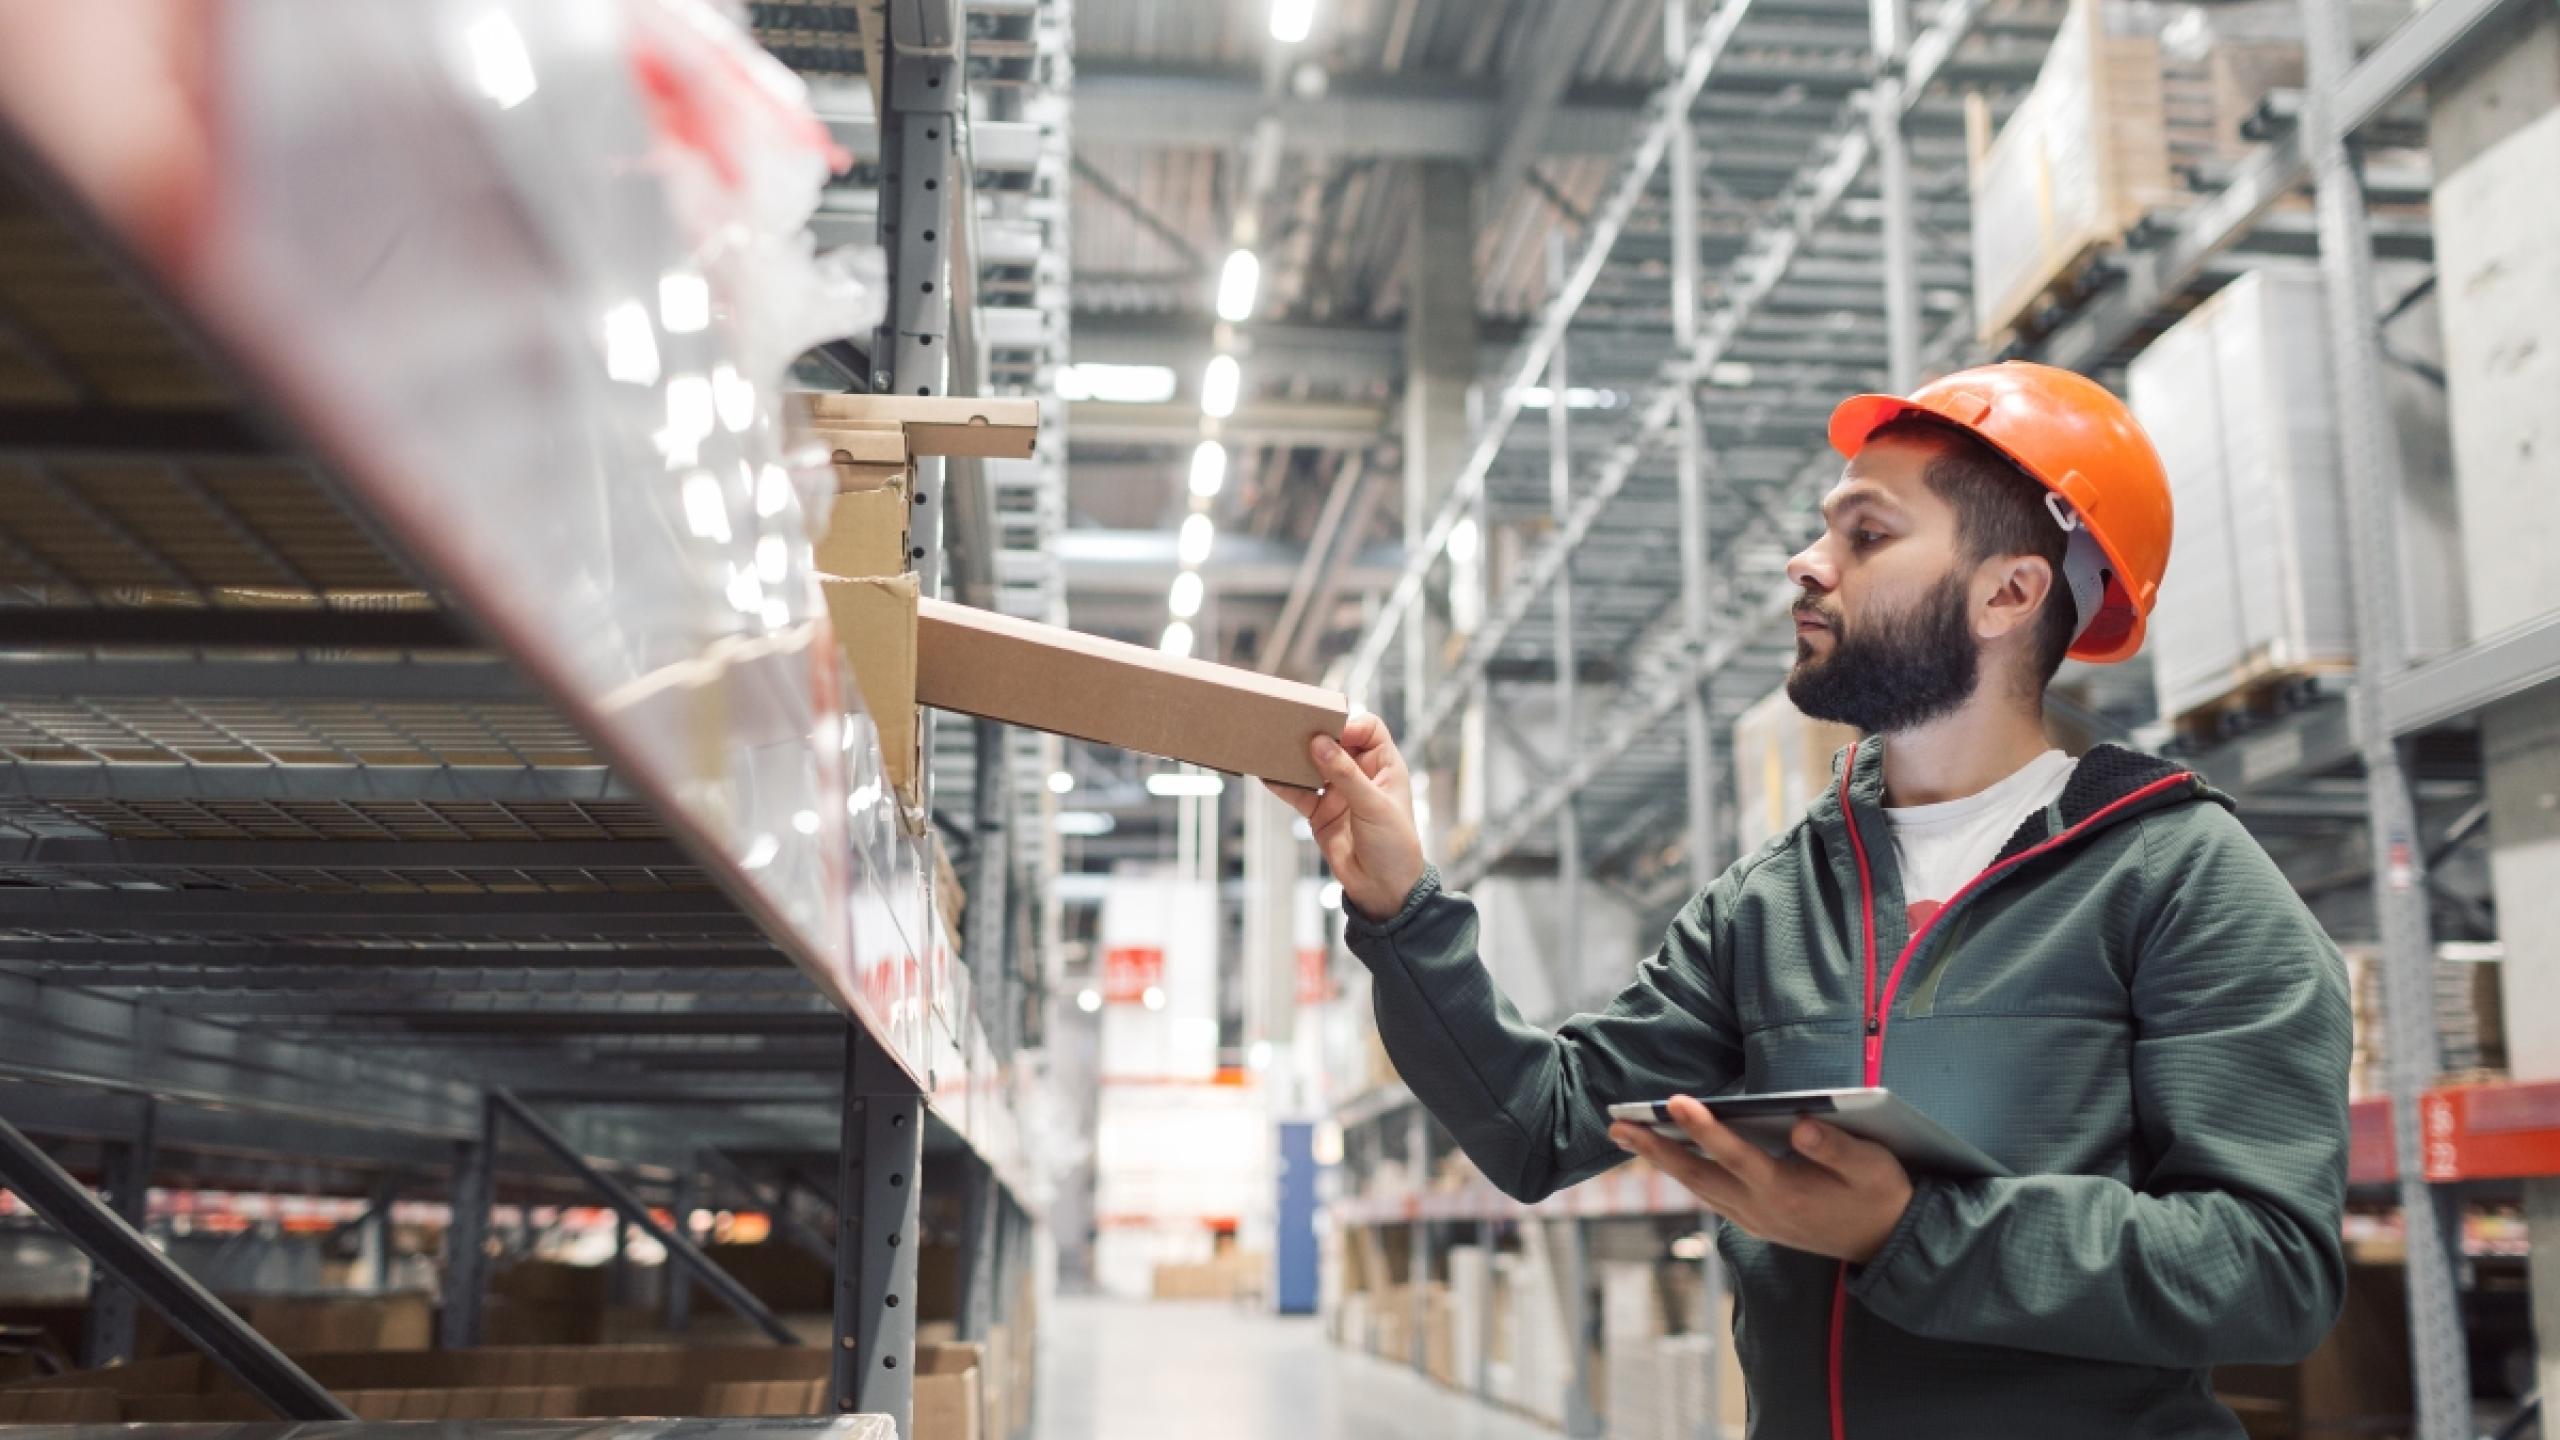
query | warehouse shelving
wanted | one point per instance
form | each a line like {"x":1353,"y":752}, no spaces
{"x":1848,"y":238}
{"x":366,"y":786}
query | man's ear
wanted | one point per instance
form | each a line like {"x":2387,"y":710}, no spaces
{"x":2013,"y":590}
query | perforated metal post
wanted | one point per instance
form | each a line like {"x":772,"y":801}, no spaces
{"x":1573,"y":1295}
{"x":2370,"y":458}
{"x":919,"y":136}
{"x":1890,"y":20}
{"x":466,"y":1236}
{"x":676,"y":1281}
{"x":113,"y":1308}
{"x":881,"y":1156}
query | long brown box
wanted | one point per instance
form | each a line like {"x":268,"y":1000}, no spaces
{"x":1000,"y":668}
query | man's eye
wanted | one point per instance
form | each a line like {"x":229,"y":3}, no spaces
{"x":1864,"y":538}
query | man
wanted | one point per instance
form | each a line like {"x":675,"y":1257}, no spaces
{"x":2088,"y":969}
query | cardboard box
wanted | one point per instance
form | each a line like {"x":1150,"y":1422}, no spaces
{"x":875,"y":624}
{"x":864,"y":458}
{"x":949,"y":1397}
{"x":996,"y":428}
{"x":999,"y":668}
{"x":867,"y":533}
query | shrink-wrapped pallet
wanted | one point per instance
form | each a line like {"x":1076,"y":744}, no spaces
{"x":2237,"y":398}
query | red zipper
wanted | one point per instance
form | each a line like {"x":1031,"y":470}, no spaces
{"x":1877,"y":1014}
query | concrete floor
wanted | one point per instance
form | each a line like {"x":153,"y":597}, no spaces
{"x":1202,"y":1370}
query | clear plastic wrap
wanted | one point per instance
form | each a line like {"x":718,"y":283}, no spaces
{"x":528,"y":275}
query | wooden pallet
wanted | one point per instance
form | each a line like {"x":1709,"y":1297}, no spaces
{"x":2263,"y":695}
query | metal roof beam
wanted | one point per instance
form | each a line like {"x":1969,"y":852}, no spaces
{"x":166,"y":911}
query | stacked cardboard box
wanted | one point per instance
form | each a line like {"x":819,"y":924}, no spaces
{"x":950,"y":1394}
{"x":526,"y":1382}
{"x":2259,"y":586}
{"x":1233,"y":1275}
{"x":1439,"y":1335}
{"x":1631,"y":1325}
{"x":2079,"y":161}
{"x":2470,"y":1019}
{"x":1470,"y":1301}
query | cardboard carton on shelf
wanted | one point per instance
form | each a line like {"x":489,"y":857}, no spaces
{"x":950,"y":1397}
{"x":867,"y":532}
{"x":863,"y":456}
{"x":875,"y":624}
{"x":996,"y":667}
{"x":988,"y":427}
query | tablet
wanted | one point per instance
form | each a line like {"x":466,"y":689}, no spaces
{"x":1870,"y":1114}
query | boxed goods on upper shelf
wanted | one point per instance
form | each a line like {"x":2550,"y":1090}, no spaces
{"x":2139,"y":105}
{"x":2259,"y":589}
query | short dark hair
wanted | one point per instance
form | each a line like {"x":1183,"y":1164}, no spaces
{"x":2000,"y":510}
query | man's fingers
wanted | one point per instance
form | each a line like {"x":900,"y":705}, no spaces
{"x":1853,"y":1159}
{"x":1718,"y":1190}
{"x":1329,"y":808}
{"x":1296,"y":797}
{"x":1362,"y":731}
{"x":1749,"y":1163}
{"x":1340,"y":771}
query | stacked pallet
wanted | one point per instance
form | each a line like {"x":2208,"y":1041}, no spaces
{"x":2259,"y":593}
{"x":2139,"y":106}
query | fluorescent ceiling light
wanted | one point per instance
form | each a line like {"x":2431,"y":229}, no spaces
{"x":1731,"y":374}
{"x":1177,"y":642}
{"x":1219,"y":385}
{"x":1085,"y":823}
{"x":1117,"y":384}
{"x":1088,"y":1000}
{"x":1153,"y":999}
{"x":684,"y":302}
{"x":1577,"y":397}
{"x":1184,"y":602}
{"x":1330,"y":897}
{"x":1292,"y":20}
{"x":1238,"y":283}
{"x":1208,"y":468}
{"x":1060,"y":782}
{"x":504,"y":71}
{"x":1171,"y":784}
{"x":1462,"y":541}
{"x":1191,"y":546}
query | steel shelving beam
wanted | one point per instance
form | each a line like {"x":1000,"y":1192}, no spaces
{"x":113,"y":1243}
{"x":1662,"y":113}
{"x":1819,"y":187}
{"x":2487,"y":670}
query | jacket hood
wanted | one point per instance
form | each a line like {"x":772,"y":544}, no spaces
{"x":2104,"y":776}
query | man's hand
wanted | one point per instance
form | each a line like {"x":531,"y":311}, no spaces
{"x":1363,"y":817}
{"x":1838,"y":1195}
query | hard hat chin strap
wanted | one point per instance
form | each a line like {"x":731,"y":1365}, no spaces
{"x":2084,"y":565}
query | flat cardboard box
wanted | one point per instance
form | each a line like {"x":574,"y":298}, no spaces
{"x":875,"y":624}
{"x":950,"y":898}
{"x":949,"y":1396}
{"x":863,"y":456}
{"x":996,"y":667}
{"x":866,"y":533}
{"x":996,"y":428}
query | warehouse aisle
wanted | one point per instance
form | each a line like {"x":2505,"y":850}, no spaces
{"x":1123,"y":1370}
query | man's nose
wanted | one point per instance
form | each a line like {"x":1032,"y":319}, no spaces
{"x":1812,"y":570}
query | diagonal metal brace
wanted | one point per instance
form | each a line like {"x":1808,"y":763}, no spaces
{"x":106,"y":1238}
{"x":680,"y":1248}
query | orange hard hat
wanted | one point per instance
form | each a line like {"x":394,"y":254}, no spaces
{"x":2070,"y":435}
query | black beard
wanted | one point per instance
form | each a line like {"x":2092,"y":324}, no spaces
{"x":1896,"y":672}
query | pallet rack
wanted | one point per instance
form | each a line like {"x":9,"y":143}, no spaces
{"x":367,"y":817}
{"x":1728,"y":370}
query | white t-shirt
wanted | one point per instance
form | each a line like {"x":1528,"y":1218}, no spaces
{"x":1942,"y":846}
